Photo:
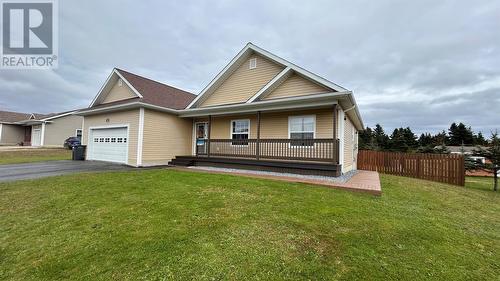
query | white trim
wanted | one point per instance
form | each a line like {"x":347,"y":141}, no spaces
{"x":114,"y":72}
{"x":58,"y":116}
{"x":297,"y":68}
{"x":76,"y":132}
{"x":289,"y":126}
{"x":126,"y":106}
{"x":277,"y":79}
{"x":231,"y":130}
{"x":1,"y":129}
{"x":32,"y":115}
{"x":42,"y":137}
{"x":128,"y":83}
{"x":275,"y":104}
{"x":340,"y":136}
{"x":140,"y":137}
{"x":89,"y":137}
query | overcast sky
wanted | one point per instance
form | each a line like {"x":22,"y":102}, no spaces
{"x":422,"y":64}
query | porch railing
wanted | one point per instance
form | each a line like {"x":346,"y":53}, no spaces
{"x":320,"y":150}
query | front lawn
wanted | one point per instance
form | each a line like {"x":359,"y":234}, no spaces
{"x":34,"y":155}
{"x":170,"y":225}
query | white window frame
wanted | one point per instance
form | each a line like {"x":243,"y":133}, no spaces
{"x":81,"y":133}
{"x":252,"y":63}
{"x":290,"y":132}
{"x":231,"y":131}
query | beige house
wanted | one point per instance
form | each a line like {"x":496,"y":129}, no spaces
{"x":260,"y":112}
{"x":48,"y":130}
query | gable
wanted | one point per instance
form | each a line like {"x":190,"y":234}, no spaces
{"x":118,"y":92}
{"x":244,"y":82}
{"x":295,"y":85}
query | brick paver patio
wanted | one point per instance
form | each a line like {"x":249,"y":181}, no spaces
{"x":363,"y":181}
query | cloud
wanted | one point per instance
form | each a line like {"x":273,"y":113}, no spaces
{"x":422,"y":64}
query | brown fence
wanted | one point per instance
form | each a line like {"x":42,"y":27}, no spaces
{"x":447,"y":168}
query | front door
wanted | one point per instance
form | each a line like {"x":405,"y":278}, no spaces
{"x":36,"y":138}
{"x":201,"y":131}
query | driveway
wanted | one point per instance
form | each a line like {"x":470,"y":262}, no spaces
{"x":54,"y":168}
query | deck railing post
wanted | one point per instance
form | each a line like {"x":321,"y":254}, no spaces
{"x":209,"y":129}
{"x":257,"y":148}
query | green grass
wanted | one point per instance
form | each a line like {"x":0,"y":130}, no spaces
{"x":171,"y":225}
{"x":34,"y":155}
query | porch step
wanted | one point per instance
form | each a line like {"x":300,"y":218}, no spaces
{"x":181,"y":161}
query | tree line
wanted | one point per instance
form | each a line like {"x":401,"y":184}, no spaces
{"x":404,"y":140}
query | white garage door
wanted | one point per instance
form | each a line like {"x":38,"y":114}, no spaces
{"x":110,"y":144}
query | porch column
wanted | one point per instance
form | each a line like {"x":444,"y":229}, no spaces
{"x":209,"y":129}
{"x":257,"y":148}
{"x":335,"y":154}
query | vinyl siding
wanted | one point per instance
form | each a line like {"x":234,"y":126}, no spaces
{"x":165,"y":136}
{"x":244,"y":82}
{"x":119,"y":93}
{"x":60,"y":129}
{"x":349,"y":144}
{"x":129,"y":117}
{"x":11,"y":134}
{"x":295,"y":85}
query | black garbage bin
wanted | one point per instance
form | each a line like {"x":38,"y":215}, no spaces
{"x":79,"y":152}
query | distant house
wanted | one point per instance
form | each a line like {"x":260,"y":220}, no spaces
{"x":469,"y":151}
{"x":33,"y":129}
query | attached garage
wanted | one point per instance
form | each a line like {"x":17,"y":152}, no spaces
{"x":108,"y":144}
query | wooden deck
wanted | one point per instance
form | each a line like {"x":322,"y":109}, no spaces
{"x":282,"y":166}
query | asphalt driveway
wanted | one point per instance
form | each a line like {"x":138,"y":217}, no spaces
{"x":54,"y":168}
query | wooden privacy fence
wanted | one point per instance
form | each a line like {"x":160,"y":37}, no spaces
{"x":447,"y":168}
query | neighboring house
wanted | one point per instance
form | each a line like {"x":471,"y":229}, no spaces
{"x":35,"y":129}
{"x":260,"y":112}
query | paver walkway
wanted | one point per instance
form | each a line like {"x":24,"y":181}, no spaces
{"x":362,"y":181}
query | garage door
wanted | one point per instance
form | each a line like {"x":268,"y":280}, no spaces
{"x":110,"y":144}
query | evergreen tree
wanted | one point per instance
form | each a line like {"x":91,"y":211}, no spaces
{"x":425,"y":140}
{"x":479,"y":139}
{"x":366,"y":139}
{"x":460,"y":134}
{"x":381,"y":139}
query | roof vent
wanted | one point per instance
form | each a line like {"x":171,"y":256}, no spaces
{"x":120,"y":82}
{"x":253,"y":63}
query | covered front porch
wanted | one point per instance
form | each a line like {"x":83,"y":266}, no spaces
{"x":301,"y":141}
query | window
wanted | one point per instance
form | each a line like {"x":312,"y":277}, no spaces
{"x":101,"y":139}
{"x":120,"y":140}
{"x":252,"y":63}
{"x":106,"y":140}
{"x":240,"y":130}
{"x":302,"y":129}
{"x":96,"y":139}
{"x":124,"y":139}
{"x":79,"y":134}
{"x":113,"y":139}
